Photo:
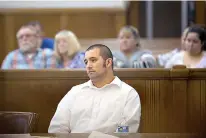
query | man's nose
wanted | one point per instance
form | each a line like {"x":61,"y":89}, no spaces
{"x":89,"y":65}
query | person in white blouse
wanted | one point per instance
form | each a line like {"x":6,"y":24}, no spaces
{"x":101,"y":104}
{"x":194,"y":55}
{"x":162,"y":59}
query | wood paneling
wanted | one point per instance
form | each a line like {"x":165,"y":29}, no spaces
{"x":2,"y":46}
{"x":173,"y":101}
{"x":133,"y":13}
{"x":200,"y":16}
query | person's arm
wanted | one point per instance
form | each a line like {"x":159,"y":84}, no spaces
{"x":162,"y":59}
{"x":60,"y":122}
{"x":175,"y":60}
{"x":146,"y":61}
{"x":132,"y":112}
{"x":80,"y":60}
{"x":7,"y":63}
{"x":51,"y":61}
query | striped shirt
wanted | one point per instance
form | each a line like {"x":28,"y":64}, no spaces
{"x":42,"y":59}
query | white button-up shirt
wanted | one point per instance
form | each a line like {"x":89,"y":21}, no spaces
{"x":86,"y":108}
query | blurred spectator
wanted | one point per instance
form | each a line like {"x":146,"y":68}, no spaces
{"x":67,"y":50}
{"x":162,"y":59}
{"x":44,"y":41}
{"x":194,"y":55}
{"x":131,"y":55}
{"x":29,"y":55}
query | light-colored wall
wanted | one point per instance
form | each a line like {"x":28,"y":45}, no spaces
{"x":63,"y":4}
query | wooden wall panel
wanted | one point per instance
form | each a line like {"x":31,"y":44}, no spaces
{"x":152,"y":101}
{"x":203,"y":105}
{"x":194,"y":105}
{"x":179,"y":114}
{"x":200,"y":16}
{"x":173,"y":101}
{"x":9,"y":34}
{"x":95,"y":25}
{"x":2,"y":46}
{"x":133,"y":14}
{"x":166,"y":106}
{"x":50,"y":23}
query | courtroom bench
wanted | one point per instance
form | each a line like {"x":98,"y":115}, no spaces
{"x":173,"y":101}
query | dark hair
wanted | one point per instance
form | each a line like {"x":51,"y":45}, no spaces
{"x":35,"y":23}
{"x":201,"y":31}
{"x":105,"y":52}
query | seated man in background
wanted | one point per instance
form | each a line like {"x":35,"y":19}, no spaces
{"x":44,"y":41}
{"x":101,"y":104}
{"x":131,"y":55}
{"x":29,"y":55}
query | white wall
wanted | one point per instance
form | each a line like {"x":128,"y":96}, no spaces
{"x":63,"y":4}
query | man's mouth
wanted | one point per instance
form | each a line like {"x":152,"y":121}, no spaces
{"x":91,"y":71}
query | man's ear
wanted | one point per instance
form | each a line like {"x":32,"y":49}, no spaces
{"x":109,"y":62}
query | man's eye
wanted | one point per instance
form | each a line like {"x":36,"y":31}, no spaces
{"x":93,"y":60}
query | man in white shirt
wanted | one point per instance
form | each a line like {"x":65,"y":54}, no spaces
{"x":101,"y":104}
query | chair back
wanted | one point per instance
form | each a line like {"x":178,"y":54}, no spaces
{"x":17,"y":122}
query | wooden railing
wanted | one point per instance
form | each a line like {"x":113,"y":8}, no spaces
{"x":173,"y":101}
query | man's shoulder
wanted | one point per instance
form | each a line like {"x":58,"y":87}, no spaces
{"x":13,"y":52}
{"x":77,"y":88}
{"x":80,"y":86}
{"x":126,"y":86}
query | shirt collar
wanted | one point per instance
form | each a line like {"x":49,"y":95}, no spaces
{"x":37,"y":50}
{"x":116,"y":82}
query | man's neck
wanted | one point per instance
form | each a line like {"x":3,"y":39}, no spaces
{"x":103,"y":81}
{"x":30,"y":52}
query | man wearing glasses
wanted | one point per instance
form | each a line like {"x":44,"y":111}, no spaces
{"x":29,"y":55}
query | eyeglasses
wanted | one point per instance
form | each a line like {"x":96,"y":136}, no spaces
{"x":25,"y":35}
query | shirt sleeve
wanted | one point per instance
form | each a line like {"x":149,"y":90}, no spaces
{"x":80,"y":60}
{"x":146,"y":61}
{"x":7,"y":63}
{"x":162,"y":59}
{"x":132,"y":112}
{"x":51,"y":61}
{"x":60,"y":122}
{"x":176,"y":59}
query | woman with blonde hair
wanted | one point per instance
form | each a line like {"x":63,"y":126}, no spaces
{"x":131,"y":55}
{"x":67,"y":50}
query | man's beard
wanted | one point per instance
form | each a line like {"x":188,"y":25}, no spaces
{"x":27,"y":48}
